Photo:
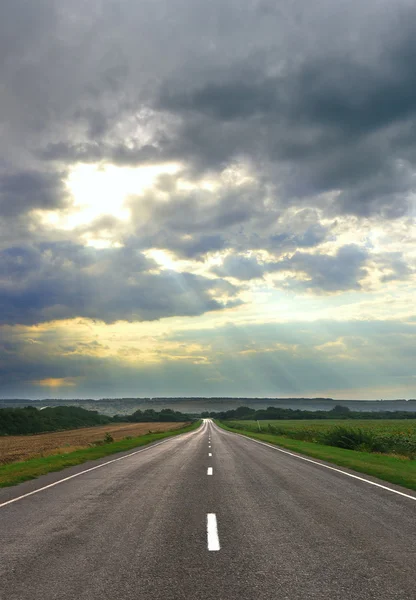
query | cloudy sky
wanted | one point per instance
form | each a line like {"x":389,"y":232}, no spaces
{"x":207,"y":198}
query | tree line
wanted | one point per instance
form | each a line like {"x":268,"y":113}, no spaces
{"x":17,"y":421}
{"x":277,"y":413}
{"x":30,"y":420}
{"x":149,"y":416}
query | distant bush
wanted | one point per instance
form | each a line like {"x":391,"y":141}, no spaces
{"x":348,"y":438}
{"x":370,"y":441}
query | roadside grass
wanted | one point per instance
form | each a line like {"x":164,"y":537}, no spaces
{"x":400,"y":471}
{"x":14,"y":473}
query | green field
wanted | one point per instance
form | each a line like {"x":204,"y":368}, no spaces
{"x":396,"y":437}
{"x":401,"y":426}
{"x":304,"y":437}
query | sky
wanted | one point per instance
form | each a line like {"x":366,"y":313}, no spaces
{"x":207,"y":198}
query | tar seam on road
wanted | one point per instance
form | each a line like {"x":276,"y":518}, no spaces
{"x":213,"y":541}
{"x":209,"y":471}
{"x":384,"y":487}
{"x":90,"y":469}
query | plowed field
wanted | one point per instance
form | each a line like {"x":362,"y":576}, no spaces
{"x":21,"y":447}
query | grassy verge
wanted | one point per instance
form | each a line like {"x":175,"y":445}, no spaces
{"x":18,"y":472}
{"x":389,"y":468}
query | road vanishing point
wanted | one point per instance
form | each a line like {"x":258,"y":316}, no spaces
{"x":207,"y":515}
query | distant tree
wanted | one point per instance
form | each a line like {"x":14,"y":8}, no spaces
{"x":243,"y":411}
{"x":151,"y":416}
{"x":340,"y":410}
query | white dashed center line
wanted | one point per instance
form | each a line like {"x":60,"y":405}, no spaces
{"x":212,"y":533}
{"x":209,"y":453}
{"x":209,"y":471}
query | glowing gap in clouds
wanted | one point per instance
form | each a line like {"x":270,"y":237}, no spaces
{"x":55,"y":382}
{"x":99,"y":190}
{"x":102,"y":190}
{"x":162,"y":258}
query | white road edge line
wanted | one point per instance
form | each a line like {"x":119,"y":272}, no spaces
{"x":384,"y":487}
{"x":209,"y":471}
{"x":212,"y":533}
{"x":91,"y":469}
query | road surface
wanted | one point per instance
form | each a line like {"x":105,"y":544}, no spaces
{"x":206,"y":515}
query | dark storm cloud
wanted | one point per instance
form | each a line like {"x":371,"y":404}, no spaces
{"x":331,"y":117}
{"x":360,"y":98}
{"x":195,"y":222}
{"x":312,"y":235}
{"x":326,"y":273}
{"x":195,"y":247}
{"x":23,"y":191}
{"x":60,"y":281}
{"x":394,"y":267}
{"x":227,"y":101}
{"x":92,"y":152}
{"x":240,"y":267}
{"x":346,"y":95}
{"x":385,"y":193}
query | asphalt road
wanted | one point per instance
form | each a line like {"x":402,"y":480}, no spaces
{"x":279,"y":528}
